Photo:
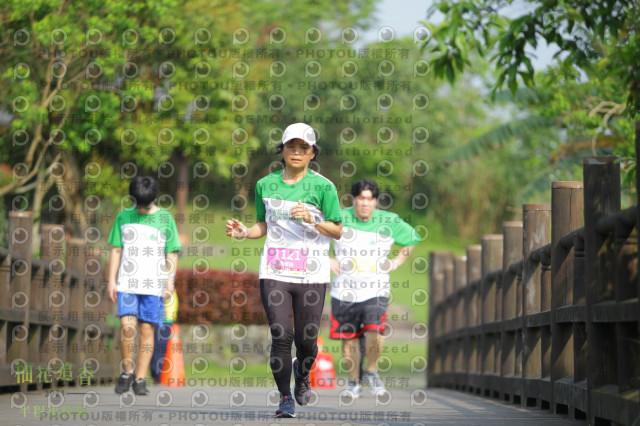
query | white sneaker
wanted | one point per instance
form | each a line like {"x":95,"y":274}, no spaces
{"x":355,"y":389}
{"x":375,"y":382}
{"x":353,"y":392}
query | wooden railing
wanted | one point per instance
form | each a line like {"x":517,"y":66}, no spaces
{"x":546,"y":314}
{"x":53,"y":312}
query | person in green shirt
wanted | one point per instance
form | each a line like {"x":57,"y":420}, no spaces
{"x":141,"y":274}
{"x":361,"y":285}
{"x":299,"y":213}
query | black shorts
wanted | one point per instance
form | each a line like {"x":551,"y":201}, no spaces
{"x":349,"y":320}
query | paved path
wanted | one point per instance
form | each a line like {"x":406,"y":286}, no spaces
{"x":255,"y":406}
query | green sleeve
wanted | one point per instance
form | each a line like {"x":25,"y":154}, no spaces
{"x":403,"y":233}
{"x":331,"y":205}
{"x":261,"y":212}
{"x":173,"y":239}
{"x":115,"y":237}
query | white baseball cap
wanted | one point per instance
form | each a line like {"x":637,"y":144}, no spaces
{"x":299,"y":131}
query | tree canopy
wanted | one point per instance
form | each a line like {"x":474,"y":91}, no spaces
{"x":197,"y":93}
{"x":603,"y":35}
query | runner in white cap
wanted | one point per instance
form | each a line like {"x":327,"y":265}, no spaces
{"x":299,"y":212}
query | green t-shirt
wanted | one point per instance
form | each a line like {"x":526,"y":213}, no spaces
{"x":293,"y":250}
{"x":145,"y":239}
{"x":362,"y":253}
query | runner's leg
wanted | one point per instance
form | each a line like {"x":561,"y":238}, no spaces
{"x":128,"y":332}
{"x":145,"y":350}
{"x":308,"y":301}
{"x":374,"y":323}
{"x":351,"y":356}
{"x":375,"y":342}
{"x":277,"y":303}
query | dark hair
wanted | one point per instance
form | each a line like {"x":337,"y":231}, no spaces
{"x":316,"y":151}
{"x":365,"y":185}
{"x":144,"y":189}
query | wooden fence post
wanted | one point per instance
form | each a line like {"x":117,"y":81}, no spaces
{"x":97,"y":335}
{"x":474,"y":274}
{"x":437,"y":352}
{"x":447,"y":313}
{"x":52,"y":254}
{"x":20,"y":241}
{"x":490,"y":337}
{"x":460,"y":283}
{"x":536,"y":220}
{"x":601,"y":198}
{"x":626,"y":275}
{"x":5,"y":305}
{"x":55,"y":346}
{"x":511,"y":253}
{"x":566,"y":216}
{"x":448,"y":290}
{"x":579,"y":326}
{"x":77,"y":289}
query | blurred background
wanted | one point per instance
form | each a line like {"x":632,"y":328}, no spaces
{"x":197,"y":93}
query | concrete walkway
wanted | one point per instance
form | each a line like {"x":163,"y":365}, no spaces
{"x":205,"y":405}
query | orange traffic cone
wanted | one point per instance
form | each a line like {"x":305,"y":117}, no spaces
{"x":172,"y":373}
{"x":323,"y":372}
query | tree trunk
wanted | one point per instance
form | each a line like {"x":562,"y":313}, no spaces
{"x":70,"y":187}
{"x":38,"y":194}
{"x":182,"y":194}
{"x":638,"y":191}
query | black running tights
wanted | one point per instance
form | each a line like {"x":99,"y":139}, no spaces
{"x":294,"y":312}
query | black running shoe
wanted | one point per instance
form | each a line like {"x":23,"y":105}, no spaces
{"x":124,"y":382}
{"x":302,"y":387}
{"x":287,"y":407}
{"x":140,"y":387}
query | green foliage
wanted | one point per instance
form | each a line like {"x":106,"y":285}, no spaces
{"x":500,"y":135}
{"x":605,"y":33}
{"x":67,"y":75}
{"x":179,"y":83}
{"x":137,"y":85}
{"x":573,"y":109}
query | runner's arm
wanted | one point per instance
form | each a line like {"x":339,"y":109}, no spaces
{"x":237,"y":229}
{"x":330,"y":229}
{"x":403,"y":255}
{"x":114,"y":265}
{"x":171,"y":260}
{"x":335,"y":266}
